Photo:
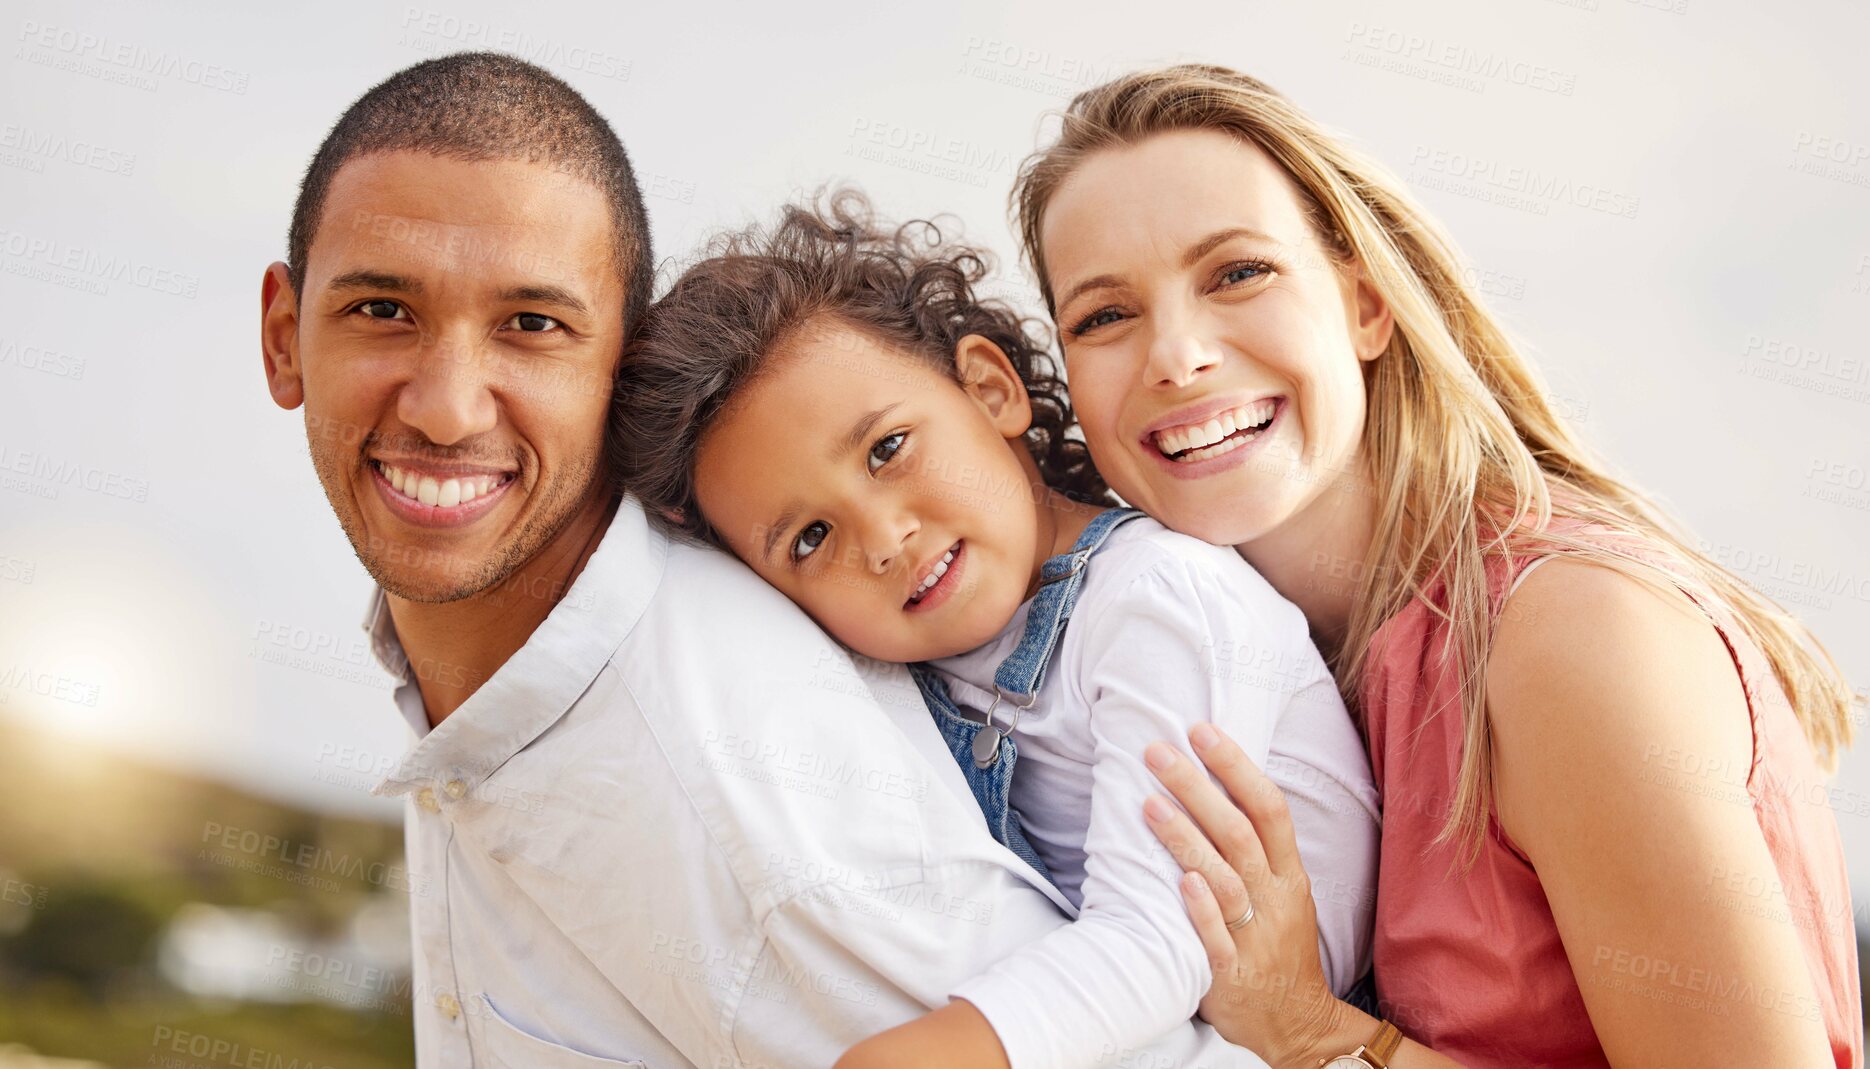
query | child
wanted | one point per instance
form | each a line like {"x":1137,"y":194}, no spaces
{"x":833,"y":404}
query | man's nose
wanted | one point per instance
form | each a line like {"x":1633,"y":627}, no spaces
{"x":448,"y":397}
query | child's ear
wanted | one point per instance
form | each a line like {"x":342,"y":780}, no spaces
{"x":988,"y":377}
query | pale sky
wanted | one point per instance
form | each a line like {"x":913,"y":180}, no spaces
{"x":1668,"y":199}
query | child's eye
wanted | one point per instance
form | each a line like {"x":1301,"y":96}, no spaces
{"x":885,"y":448}
{"x":531,"y":323}
{"x":810,"y":539}
{"x":382,"y":310}
{"x":1099,"y":318}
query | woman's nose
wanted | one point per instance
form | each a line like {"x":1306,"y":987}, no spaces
{"x":1178,"y":356}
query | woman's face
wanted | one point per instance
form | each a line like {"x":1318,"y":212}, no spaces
{"x":882,"y":496}
{"x":1213,"y":347}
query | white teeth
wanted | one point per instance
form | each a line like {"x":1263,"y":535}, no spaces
{"x":934,"y":575}
{"x":439,"y":493}
{"x":1205,"y":438}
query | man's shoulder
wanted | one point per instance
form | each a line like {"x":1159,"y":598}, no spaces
{"x":700,"y":583}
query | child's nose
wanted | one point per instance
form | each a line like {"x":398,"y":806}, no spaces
{"x":885,"y":542}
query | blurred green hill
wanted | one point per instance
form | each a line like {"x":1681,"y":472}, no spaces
{"x":107,"y":868}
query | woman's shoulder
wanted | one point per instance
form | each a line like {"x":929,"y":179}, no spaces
{"x":1588,"y":651}
{"x":1575,"y":576}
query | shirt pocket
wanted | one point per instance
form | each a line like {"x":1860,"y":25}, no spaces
{"x":504,"y":1045}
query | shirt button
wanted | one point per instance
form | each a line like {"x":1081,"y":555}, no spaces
{"x":447,"y":1005}
{"x":426,"y":799}
{"x":455,"y":789}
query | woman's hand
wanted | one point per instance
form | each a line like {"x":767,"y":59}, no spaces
{"x":1269,"y":992}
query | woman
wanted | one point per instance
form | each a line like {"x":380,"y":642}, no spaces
{"x":1605,"y":836}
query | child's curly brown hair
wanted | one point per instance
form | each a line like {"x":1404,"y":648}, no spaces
{"x":710,"y":335}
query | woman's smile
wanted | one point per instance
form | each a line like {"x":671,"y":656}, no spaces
{"x":1213,"y":443}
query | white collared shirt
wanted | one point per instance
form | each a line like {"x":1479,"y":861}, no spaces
{"x":682,"y":828}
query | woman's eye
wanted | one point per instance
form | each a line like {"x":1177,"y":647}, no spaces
{"x":1099,"y":318}
{"x":1239,"y":273}
{"x":885,"y":448}
{"x":531,"y":322}
{"x":810,"y":539}
{"x":382,"y":310}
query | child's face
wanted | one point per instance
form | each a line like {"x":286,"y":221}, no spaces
{"x":849,"y":471}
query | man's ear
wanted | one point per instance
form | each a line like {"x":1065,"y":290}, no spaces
{"x":1371,"y":322}
{"x":988,"y":377}
{"x":279,"y":337}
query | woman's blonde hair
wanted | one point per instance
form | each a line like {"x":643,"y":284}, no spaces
{"x":1467,"y":455}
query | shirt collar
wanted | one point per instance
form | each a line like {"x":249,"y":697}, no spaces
{"x":536,"y":686}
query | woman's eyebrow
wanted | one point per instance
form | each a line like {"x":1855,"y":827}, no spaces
{"x":1215,"y":240}
{"x":1097,"y":283}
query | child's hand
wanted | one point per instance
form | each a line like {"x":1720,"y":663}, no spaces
{"x":1269,"y":992}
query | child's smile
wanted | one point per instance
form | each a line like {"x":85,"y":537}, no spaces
{"x":939,"y":580}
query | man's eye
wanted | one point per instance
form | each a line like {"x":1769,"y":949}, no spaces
{"x":383,"y":310}
{"x":885,"y":448}
{"x":810,"y":539}
{"x":531,"y":322}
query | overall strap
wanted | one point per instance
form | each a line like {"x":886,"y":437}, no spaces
{"x":1060,"y":579}
{"x":1018,"y":678}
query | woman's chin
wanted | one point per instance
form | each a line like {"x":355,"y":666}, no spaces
{"x":1219,"y":519}
{"x":1221,"y":531}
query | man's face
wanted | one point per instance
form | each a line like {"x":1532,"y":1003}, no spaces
{"x":453,"y":342}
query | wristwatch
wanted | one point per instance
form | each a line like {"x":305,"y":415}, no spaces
{"x":1372,"y":1055}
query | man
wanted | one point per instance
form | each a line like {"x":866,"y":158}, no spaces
{"x":655,"y":815}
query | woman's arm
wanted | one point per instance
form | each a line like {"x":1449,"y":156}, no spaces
{"x":953,"y":1037}
{"x":1597,"y":687}
{"x":1602,"y":694}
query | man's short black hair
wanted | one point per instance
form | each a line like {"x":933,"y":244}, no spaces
{"x":485,"y":106}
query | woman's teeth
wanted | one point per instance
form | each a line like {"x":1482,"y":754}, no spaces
{"x":935,"y":574}
{"x":1223,"y":434}
{"x":440,"y":493}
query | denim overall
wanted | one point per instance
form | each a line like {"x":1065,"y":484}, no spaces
{"x":985,"y":751}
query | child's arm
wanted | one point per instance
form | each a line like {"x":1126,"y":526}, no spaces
{"x":953,"y":1037}
{"x":1130,"y":968}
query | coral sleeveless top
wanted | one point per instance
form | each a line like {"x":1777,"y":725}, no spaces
{"x":1471,"y":964}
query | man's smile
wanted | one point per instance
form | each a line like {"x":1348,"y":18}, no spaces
{"x":431,"y":496}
